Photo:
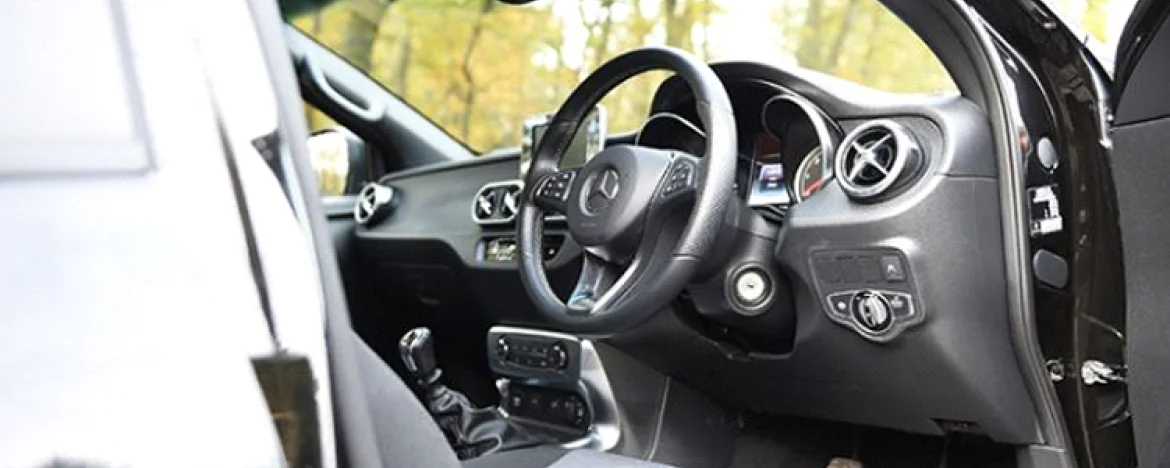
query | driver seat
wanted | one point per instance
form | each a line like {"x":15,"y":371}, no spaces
{"x":407,"y":434}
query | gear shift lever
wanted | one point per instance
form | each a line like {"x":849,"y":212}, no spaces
{"x":472,"y":432}
{"x":418,"y":354}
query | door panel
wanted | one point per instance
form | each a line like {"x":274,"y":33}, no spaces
{"x":1142,"y":170}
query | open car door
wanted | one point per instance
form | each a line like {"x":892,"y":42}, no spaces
{"x":1141,"y":137}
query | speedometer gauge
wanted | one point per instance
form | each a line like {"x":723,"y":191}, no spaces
{"x":810,"y":175}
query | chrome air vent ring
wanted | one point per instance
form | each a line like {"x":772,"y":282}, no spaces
{"x":875,"y":158}
{"x":374,"y":203}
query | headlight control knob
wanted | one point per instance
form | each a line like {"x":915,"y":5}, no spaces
{"x":871,"y":312}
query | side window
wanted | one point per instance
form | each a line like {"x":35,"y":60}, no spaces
{"x":329,"y":153}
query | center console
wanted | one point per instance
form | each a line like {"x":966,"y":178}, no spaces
{"x":554,"y":383}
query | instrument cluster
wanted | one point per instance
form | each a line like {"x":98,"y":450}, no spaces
{"x":786,"y":153}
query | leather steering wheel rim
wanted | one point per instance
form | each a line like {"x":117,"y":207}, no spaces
{"x":651,"y":286}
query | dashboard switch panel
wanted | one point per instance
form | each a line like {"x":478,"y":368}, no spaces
{"x":870,"y":291}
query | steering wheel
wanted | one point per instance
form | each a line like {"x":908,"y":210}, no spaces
{"x":627,"y":206}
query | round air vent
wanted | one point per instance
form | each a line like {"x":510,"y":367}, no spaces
{"x":875,"y":158}
{"x":374,"y":203}
{"x":496,"y":203}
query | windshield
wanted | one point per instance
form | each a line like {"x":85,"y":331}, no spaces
{"x":481,"y":68}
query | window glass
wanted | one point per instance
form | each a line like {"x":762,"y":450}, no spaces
{"x":479,"y":68}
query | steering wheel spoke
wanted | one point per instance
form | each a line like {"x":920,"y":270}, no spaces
{"x":552,"y":191}
{"x":597,"y":278}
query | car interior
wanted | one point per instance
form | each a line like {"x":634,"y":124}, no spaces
{"x":583,"y":233}
{"x":773,"y":267}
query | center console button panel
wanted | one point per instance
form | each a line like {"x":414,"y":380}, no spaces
{"x":561,"y":408}
{"x":557,"y":382}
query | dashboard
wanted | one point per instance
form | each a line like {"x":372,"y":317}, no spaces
{"x":821,"y":239}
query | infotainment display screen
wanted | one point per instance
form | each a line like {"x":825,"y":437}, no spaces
{"x":588,"y":141}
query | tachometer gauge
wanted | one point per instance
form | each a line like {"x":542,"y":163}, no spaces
{"x":810,"y":175}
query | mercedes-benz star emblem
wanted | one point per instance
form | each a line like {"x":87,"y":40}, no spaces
{"x":604,"y":191}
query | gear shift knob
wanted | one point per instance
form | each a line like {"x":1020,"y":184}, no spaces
{"x":418,"y":354}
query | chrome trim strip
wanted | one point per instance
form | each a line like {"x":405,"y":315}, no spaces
{"x":661,"y":417}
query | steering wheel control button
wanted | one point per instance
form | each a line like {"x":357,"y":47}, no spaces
{"x":892,"y":269}
{"x":556,"y":186}
{"x":681,"y":177}
{"x":872,"y":312}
